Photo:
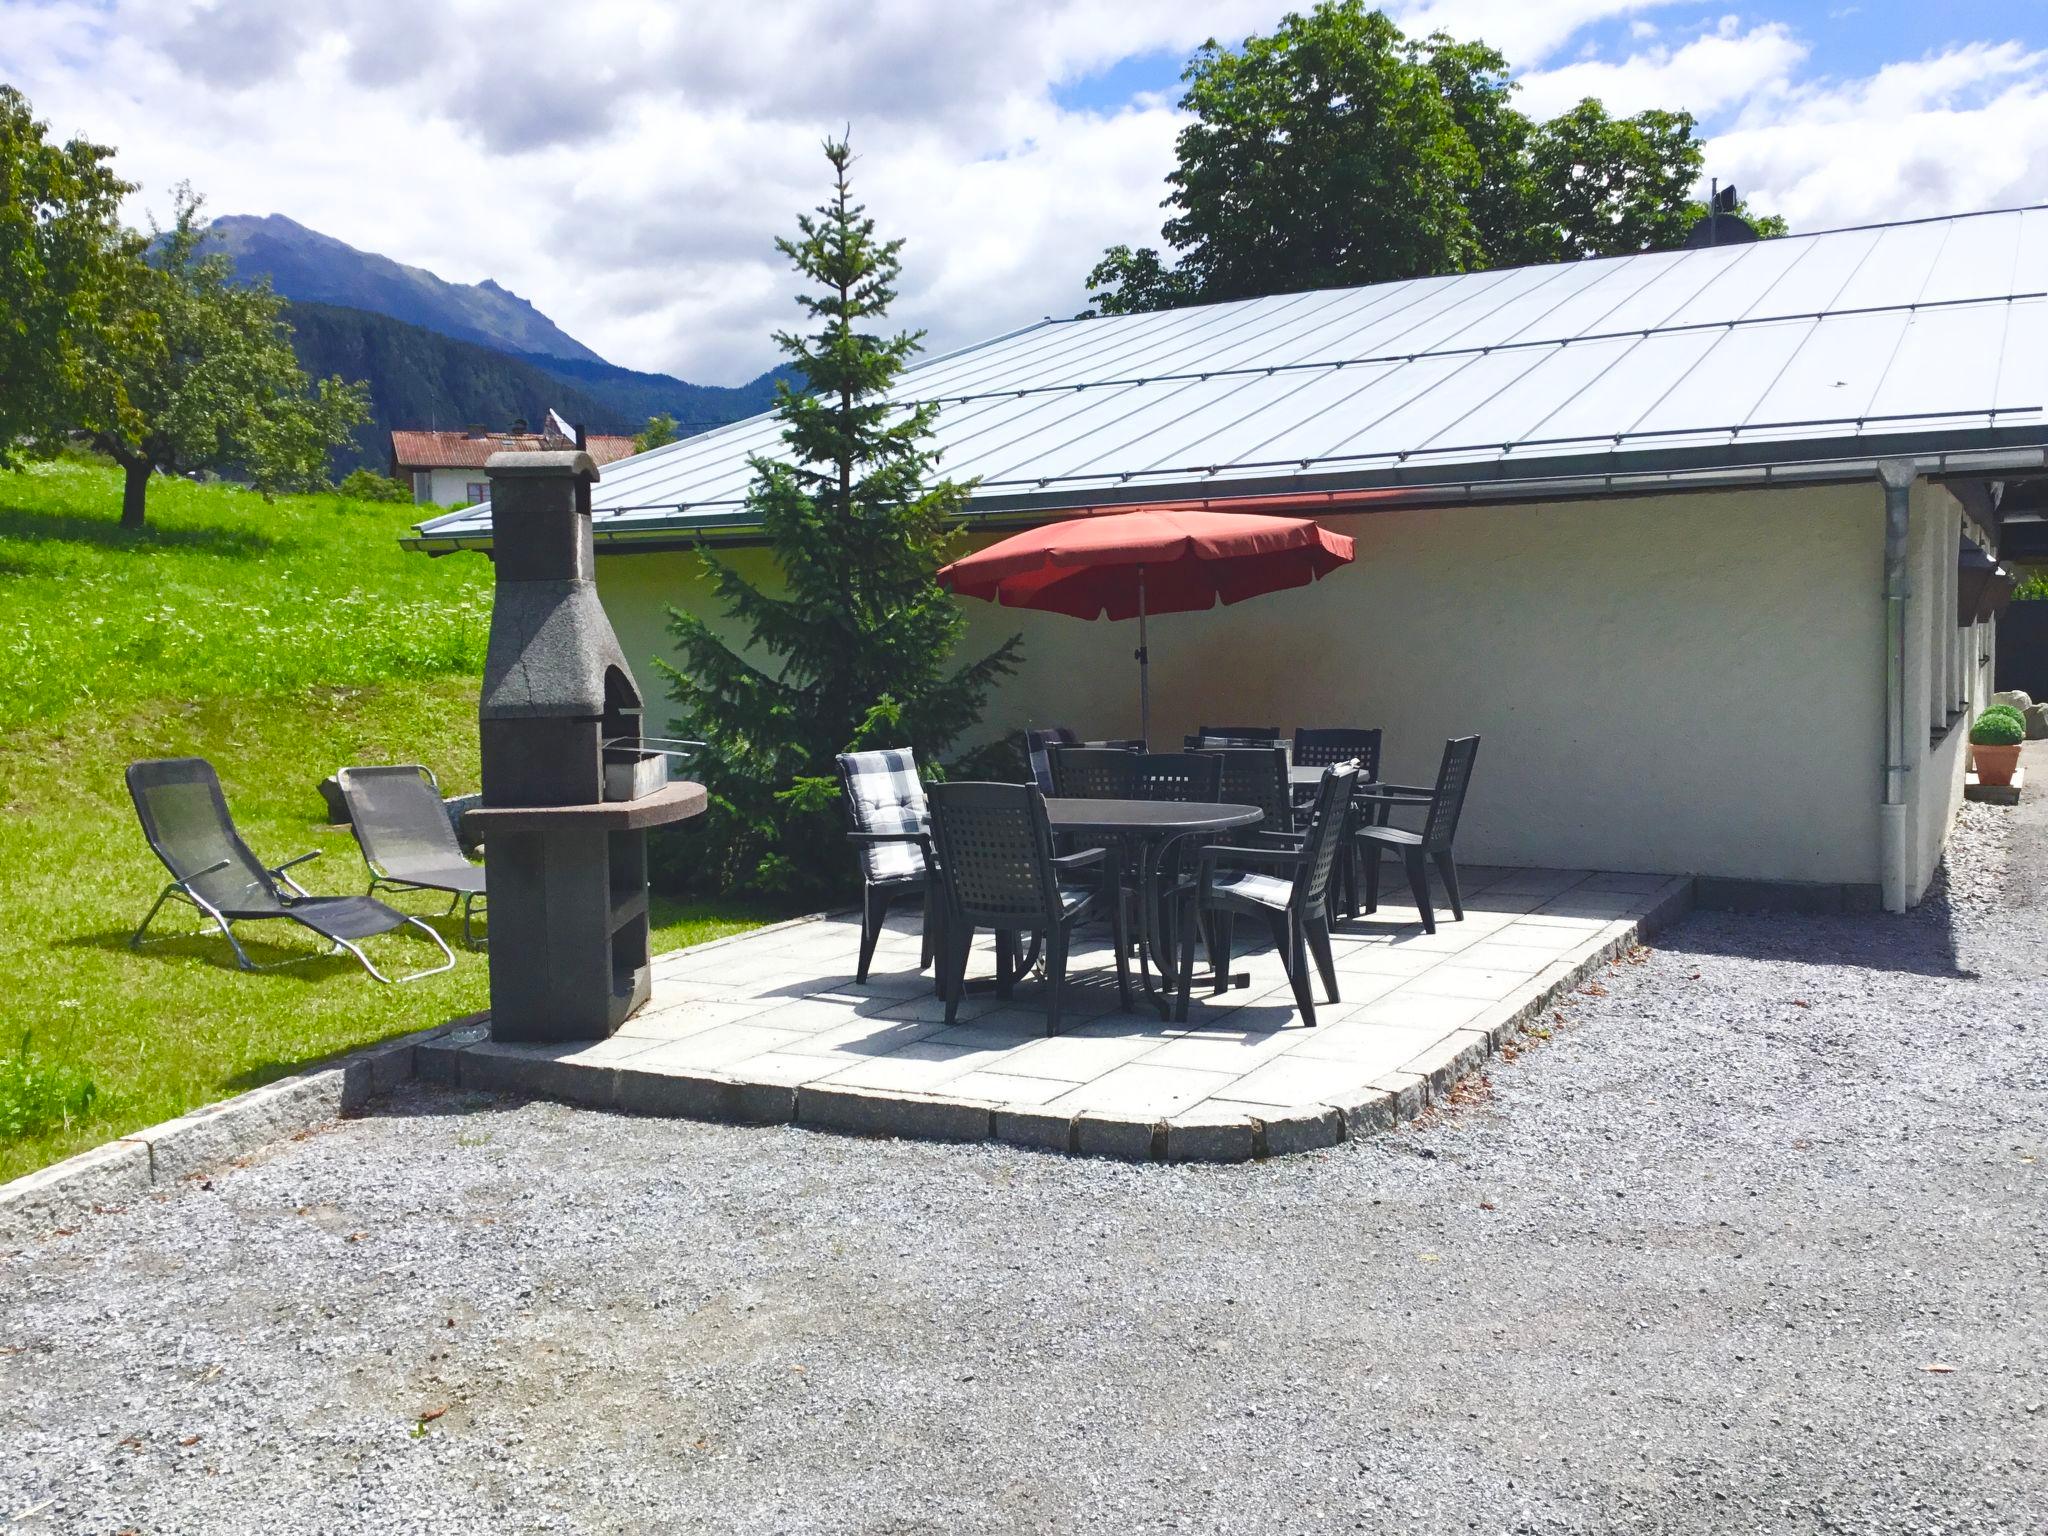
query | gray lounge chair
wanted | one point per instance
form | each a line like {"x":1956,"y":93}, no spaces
{"x":408,"y":842}
{"x":185,"y":817}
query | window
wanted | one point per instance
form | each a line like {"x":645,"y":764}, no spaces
{"x":478,"y":490}
{"x":422,"y":485}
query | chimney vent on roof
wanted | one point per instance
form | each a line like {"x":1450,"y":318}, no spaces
{"x":475,"y":429}
{"x":1722,"y":225}
{"x":518,"y":424}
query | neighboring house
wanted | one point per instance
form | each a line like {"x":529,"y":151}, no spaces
{"x":1677,"y":533}
{"x":447,"y":468}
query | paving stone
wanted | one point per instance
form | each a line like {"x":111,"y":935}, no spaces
{"x":863,"y":1039}
{"x":883,"y":1114}
{"x":1148,"y":1091}
{"x":1295,"y":1079}
{"x":1466,"y":981}
{"x":1420,"y":1012}
{"x":1008,"y":1088}
{"x":1369,"y":1113}
{"x":1078,"y":1057}
{"x":918,"y":1068}
{"x":1233,"y":1052}
{"x":1372,"y":1048}
{"x":703,"y":1096}
{"x":1132,"y":1139}
{"x":692,"y":1018}
{"x":715,"y":1048}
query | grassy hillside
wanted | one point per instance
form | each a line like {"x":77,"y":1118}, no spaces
{"x":279,"y":641}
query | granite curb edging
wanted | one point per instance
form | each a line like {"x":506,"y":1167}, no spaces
{"x":1203,"y":1135}
{"x":211,"y":1137}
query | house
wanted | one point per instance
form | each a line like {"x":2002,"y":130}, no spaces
{"x":1678,"y":533}
{"x":447,"y":468}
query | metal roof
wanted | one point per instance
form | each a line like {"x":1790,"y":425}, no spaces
{"x":1731,"y":361}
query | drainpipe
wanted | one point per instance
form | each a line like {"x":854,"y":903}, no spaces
{"x":1897,"y":476}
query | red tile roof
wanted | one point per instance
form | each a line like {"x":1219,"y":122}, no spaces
{"x":459,"y":450}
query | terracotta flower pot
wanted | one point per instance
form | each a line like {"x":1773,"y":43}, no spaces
{"x":1996,"y":765}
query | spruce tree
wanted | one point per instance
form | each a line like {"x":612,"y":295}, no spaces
{"x":854,"y":647}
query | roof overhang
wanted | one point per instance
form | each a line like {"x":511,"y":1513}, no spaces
{"x":1977,"y":452}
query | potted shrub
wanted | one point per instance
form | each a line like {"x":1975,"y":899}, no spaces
{"x":1995,"y":744}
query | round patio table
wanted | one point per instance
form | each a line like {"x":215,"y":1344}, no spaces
{"x":1151,"y":827}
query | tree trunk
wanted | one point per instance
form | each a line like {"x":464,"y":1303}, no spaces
{"x":133,"y":489}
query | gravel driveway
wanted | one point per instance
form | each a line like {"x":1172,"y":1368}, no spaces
{"x":1683,"y":1267}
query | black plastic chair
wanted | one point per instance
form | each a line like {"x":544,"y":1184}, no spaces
{"x":1187,"y":777}
{"x":1294,"y":900}
{"x":1038,"y":747}
{"x":885,"y":803}
{"x":185,"y":817}
{"x":1442,"y":807}
{"x":1094,"y":773}
{"x":1256,"y":776}
{"x":407,"y":840}
{"x":997,"y":870}
{"x":1327,"y":746}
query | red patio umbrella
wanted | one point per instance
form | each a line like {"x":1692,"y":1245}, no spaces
{"x":1155,"y":560}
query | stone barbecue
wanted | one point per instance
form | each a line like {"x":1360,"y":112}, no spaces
{"x":569,"y":950}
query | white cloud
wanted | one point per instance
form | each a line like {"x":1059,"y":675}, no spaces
{"x":627,"y":167}
{"x":1962,"y":129}
{"x":1723,"y":68}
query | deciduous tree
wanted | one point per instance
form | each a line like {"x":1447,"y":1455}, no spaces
{"x":66,"y":270}
{"x":1339,"y":151}
{"x":223,"y":392}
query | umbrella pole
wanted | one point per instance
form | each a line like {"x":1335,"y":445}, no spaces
{"x":1144,"y":669}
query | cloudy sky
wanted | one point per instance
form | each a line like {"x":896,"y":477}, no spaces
{"x":626,"y":165}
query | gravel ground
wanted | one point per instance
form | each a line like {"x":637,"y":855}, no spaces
{"x":1685,"y":1266}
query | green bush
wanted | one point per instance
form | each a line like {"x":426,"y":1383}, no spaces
{"x":1996,"y":728}
{"x":36,"y":1098}
{"x":2032,"y":588}
{"x":2005,"y":709}
{"x":368,"y":485}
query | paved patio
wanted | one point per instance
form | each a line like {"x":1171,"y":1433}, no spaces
{"x":771,"y":1027}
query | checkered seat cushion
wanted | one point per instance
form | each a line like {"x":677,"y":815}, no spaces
{"x":884,"y":794}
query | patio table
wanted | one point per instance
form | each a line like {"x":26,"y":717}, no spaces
{"x":1152,"y":827}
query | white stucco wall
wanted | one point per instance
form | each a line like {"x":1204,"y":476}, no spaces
{"x":450,"y":486}
{"x":1682,"y":683}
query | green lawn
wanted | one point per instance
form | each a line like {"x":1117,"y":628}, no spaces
{"x":279,"y":641}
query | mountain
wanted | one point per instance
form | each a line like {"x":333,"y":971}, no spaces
{"x":304,"y":264}
{"x":419,"y":378}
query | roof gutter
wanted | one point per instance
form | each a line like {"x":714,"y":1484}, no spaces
{"x":729,"y":526}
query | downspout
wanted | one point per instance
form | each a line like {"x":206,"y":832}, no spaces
{"x":1898,"y":476}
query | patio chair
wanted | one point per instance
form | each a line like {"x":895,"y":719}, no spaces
{"x":1441,"y":806}
{"x":1256,"y":776}
{"x":1294,"y":899}
{"x":1094,"y":773}
{"x":408,"y":842}
{"x":885,"y":802}
{"x":1327,"y":746}
{"x":997,"y":870}
{"x":1183,"y":776}
{"x":185,"y":817}
{"x":1038,"y":747}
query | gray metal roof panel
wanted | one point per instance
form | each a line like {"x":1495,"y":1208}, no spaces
{"x":1852,"y":339}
